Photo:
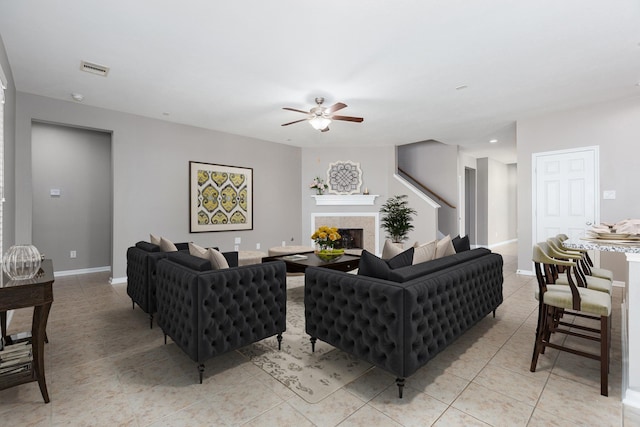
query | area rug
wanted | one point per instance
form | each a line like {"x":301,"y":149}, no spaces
{"x":312,"y":376}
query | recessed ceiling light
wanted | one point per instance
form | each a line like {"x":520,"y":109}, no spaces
{"x":461,"y":87}
{"x":77,"y":97}
{"x":493,"y":141}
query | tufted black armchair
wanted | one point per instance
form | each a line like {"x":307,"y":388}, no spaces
{"x":400,"y":325}
{"x":210,"y":312}
{"x":141,"y":273}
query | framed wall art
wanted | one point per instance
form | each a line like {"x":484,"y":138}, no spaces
{"x":220,"y":197}
{"x":344,"y":177}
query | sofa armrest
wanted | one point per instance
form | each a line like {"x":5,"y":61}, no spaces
{"x":207,"y":313}
{"x":358,"y":314}
{"x":182,"y":246}
{"x":232,"y":258}
{"x":441,"y":306}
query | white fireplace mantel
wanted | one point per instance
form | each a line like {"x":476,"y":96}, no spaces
{"x":344,"y":199}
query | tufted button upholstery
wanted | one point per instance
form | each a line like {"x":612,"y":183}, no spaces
{"x":400,"y":326}
{"x":141,"y":269}
{"x":208,"y":313}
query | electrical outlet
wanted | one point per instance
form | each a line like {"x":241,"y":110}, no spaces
{"x":257,"y":245}
{"x":284,"y":243}
{"x":72,"y":254}
{"x":236,"y":248}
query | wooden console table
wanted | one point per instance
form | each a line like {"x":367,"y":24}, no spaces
{"x":36,"y":293}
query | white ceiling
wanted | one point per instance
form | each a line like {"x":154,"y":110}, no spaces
{"x":233,"y":65}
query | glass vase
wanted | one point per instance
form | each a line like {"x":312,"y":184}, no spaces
{"x":21,"y":262}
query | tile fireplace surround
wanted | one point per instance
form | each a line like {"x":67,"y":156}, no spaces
{"x":368,"y":221}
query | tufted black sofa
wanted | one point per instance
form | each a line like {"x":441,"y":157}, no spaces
{"x":141,"y":272}
{"x":402,"y":323}
{"x":210,"y":312}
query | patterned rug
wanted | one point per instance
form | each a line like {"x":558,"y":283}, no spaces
{"x":312,"y":376}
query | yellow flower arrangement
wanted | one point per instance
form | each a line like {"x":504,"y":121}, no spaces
{"x":326,"y":238}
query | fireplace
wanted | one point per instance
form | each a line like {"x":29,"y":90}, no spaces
{"x":362,"y":228}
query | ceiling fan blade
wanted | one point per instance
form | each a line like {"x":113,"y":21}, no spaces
{"x":293,"y":109}
{"x":335,"y":107}
{"x":348,"y":118}
{"x":297,"y":121}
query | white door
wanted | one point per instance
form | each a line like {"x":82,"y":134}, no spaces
{"x":565,"y":192}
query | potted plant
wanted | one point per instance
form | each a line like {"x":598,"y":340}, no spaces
{"x":396,"y":218}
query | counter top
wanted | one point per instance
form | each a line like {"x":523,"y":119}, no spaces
{"x":603,"y":245}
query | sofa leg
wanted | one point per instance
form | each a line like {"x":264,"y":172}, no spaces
{"x":313,"y":344}
{"x":279,"y":341}
{"x":165,"y":339}
{"x":494,"y":314}
{"x":201,"y":371}
{"x":150,"y":321}
{"x":400,"y":382}
{"x":133,"y":305}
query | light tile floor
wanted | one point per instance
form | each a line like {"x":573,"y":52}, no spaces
{"x":106,"y":367}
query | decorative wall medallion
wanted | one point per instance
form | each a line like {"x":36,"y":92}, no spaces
{"x":220,"y":198}
{"x":344,"y":177}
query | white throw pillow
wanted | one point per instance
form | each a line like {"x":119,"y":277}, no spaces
{"x":167,"y":245}
{"x":154,"y":239}
{"x":215,"y":257}
{"x":217,"y":260}
{"x":198,"y":251}
{"x":424,"y":253}
{"x":390,"y":249}
{"x":444,"y":247}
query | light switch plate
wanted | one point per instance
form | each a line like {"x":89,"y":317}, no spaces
{"x":55,"y":192}
{"x":609,"y":194}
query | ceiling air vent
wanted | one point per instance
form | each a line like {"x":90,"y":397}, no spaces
{"x":92,"y":68}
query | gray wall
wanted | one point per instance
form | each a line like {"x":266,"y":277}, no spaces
{"x":78,"y":163}
{"x":496,"y":202}
{"x":150,"y":176}
{"x":615,"y":128}
{"x":482,"y":201}
{"x":9,"y":217}
{"x":435,"y":165}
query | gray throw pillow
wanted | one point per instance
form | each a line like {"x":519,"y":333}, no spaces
{"x":461,"y":244}
{"x":372,"y":266}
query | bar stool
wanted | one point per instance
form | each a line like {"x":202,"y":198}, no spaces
{"x":554,"y":300}
{"x":592,"y":271}
{"x":583,"y":280}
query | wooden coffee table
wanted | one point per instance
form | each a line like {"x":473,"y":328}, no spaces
{"x":344,"y":263}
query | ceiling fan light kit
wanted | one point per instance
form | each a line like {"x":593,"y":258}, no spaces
{"x":320,"y":117}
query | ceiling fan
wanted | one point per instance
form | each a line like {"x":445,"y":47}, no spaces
{"x":320,"y":116}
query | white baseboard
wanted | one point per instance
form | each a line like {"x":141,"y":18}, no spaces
{"x":525,"y":272}
{"x":618,"y":283}
{"x":81,"y":271}
{"x":117,"y":280}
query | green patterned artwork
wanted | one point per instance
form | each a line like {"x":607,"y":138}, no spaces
{"x":220,"y":197}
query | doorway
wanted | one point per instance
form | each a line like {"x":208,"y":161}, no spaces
{"x":72,"y":197}
{"x":565,"y":192}
{"x":470,"y":191}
